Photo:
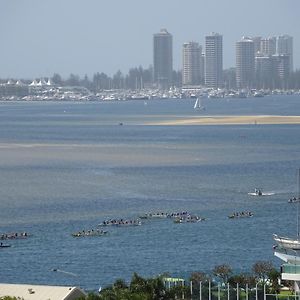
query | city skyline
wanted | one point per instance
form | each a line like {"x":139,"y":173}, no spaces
{"x":41,"y":38}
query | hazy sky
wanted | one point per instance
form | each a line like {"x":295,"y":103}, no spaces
{"x":41,"y":37}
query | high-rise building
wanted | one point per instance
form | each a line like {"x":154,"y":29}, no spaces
{"x":257,"y":41}
{"x":285,"y":46}
{"x":191,"y":63}
{"x":268,"y":46}
{"x":281,"y":65}
{"x":264,"y":71}
{"x":214,"y":60}
{"x":162,"y":58}
{"x":245,"y":63}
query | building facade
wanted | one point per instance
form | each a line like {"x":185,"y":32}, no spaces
{"x":268,"y":46}
{"x":245,"y":63}
{"x":191,"y":63}
{"x":214,"y":60}
{"x":163,"y":58}
{"x":285,"y":47}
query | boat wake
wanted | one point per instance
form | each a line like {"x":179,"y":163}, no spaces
{"x":262,"y":194}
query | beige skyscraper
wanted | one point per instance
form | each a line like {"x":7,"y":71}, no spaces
{"x":214,"y":60}
{"x":191,"y":63}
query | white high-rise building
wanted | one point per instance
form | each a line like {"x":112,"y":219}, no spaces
{"x":285,"y":46}
{"x":214,"y":60}
{"x":257,"y":41}
{"x":245,"y":63}
{"x":268,"y":46}
{"x":191,"y":63}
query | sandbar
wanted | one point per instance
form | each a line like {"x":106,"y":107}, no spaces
{"x":229,"y":120}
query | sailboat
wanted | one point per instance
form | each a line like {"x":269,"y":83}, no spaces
{"x":198,"y":105}
{"x":287,"y":242}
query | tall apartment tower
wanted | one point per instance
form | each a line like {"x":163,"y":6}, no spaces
{"x":245,"y":63}
{"x":163,"y":58}
{"x":268,"y":46}
{"x":257,"y":41}
{"x":285,"y":46}
{"x":214,"y":60}
{"x":191,"y":63}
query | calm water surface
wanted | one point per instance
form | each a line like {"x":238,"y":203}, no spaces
{"x":65,"y":167}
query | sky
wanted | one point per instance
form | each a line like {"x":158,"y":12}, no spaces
{"x":41,"y":37}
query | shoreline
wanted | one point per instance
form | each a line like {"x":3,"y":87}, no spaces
{"x":229,"y":120}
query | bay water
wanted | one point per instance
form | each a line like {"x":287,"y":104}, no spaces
{"x":66,"y":167}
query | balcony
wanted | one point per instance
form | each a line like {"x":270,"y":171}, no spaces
{"x":290,"y":272}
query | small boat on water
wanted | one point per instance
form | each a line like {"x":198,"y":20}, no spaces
{"x":182,"y":214}
{"x":13,"y":236}
{"x":189,"y":219}
{"x":243,"y":214}
{"x":259,"y":192}
{"x":121,"y":223}
{"x":293,"y":200}
{"x":4,"y":245}
{"x":89,"y":233}
{"x":198,"y":105}
{"x":161,"y":215}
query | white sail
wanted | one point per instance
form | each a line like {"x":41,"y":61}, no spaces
{"x":198,"y":104}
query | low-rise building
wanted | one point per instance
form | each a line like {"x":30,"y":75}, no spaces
{"x":40,"y":292}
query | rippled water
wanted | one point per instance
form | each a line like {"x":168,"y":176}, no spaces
{"x":65,"y":167}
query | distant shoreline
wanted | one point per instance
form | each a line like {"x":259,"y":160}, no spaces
{"x":230,"y":120}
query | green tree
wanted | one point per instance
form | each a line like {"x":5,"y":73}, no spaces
{"x":261,"y":270}
{"x":223,"y":272}
{"x":56,"y":79}
{"x":197,"y":277}
{"x":274,"y":276}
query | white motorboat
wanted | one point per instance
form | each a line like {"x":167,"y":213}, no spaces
{"x":259,"y":192}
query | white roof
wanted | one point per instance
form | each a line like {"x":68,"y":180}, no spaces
{"x":40,"y":292}
{"x":33,"y":83}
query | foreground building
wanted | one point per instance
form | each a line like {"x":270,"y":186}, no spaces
{"x":163,"y":58}
{"x":40,"y":292}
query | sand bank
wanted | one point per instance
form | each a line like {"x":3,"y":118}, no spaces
{"x":229,"y":120}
